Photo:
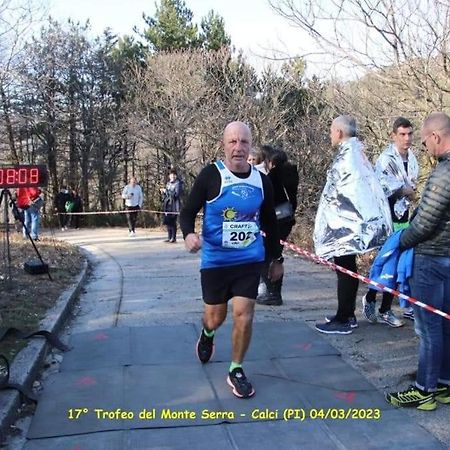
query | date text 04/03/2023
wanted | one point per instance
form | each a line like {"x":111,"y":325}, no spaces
{"x":206,"y":414}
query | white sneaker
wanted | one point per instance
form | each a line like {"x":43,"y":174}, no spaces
{"x":409,"y":313}
{"x":133,"y":233}
{"x":262,"y":288}
{"x":130,"y":233}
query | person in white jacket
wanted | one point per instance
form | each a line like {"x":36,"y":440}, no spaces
{"x":132,"y":194}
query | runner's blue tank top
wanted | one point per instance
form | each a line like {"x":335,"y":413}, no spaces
{"x":231,"y":226}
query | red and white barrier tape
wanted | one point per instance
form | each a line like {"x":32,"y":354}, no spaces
{"x":309,"y":255}
{"x":93,"y":213}
{"x":366,"y":280}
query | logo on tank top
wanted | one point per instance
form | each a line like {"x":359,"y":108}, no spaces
{"x":229,"y":213}
{"x":244,"y":192}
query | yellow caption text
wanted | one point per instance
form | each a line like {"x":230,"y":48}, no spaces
{"x":299,"y":414}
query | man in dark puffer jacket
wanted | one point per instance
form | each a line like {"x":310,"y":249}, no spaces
{"x":429,"y":234}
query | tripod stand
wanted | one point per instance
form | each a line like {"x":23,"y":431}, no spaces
{"x":6,"y":197}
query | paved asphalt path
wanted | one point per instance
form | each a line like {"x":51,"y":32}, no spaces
{"x":141,"y":281}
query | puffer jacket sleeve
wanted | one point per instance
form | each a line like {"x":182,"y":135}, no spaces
{"x":433,"y":209}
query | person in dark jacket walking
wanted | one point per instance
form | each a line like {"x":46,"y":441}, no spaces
{"x":429,"y":235}
{"x":284,"y":178}
{"x":62,"y":197}
{"x":77,"y":208}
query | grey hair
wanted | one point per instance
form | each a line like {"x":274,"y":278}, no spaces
{"x":437,"y":121}
{"x":347,"y":124}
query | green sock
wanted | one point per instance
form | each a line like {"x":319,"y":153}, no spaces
{"x":208,"y":333}
{"x":234,"y":365}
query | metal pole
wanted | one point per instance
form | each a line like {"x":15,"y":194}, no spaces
{"x":4,"y":199}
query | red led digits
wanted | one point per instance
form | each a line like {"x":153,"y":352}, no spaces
{"x":34,"y":175}
{"x":23,"y":176}
{"x":10,"y":177}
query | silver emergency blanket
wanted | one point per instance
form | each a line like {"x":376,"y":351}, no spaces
{"x":353,"y":215}
{"x":391,"y":172}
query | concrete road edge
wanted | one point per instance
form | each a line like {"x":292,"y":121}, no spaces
{"x":28,"y":362}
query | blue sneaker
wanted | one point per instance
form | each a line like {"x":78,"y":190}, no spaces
{"x":369,"y":310}
{"x":352,"y":321}
{"x":334,"y":327}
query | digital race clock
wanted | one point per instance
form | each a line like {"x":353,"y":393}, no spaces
{"x":23,"y":176}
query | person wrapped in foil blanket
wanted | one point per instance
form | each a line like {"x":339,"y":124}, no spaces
{"x":393,"y":176}
{"x":353,"y":216}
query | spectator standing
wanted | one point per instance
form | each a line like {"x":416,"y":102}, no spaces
{"x":59,"y":204}
{"x":30,"y":201}
{"x":429,"y":235}
{"x":77,"y":208}
{"x":171,"y":205}
{"x":353,"y":217}
{"x":284,"y":178}
{"x":134,"y":199}
{"x":398,"y":170}
{"x":254,"y":157}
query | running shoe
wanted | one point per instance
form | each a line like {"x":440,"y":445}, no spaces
{"x":352,"y":321}
{"x":205,"y":347}
{"x":238,"y":382}
{"x":391,"y":319}
{"x":334,"y":327}
{"x":443,"y":393}
{"x":369,"y":310}
{"x":409,"y":313}
{"x":413,"y":398}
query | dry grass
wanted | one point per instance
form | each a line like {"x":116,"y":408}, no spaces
{"x":26,"y":298}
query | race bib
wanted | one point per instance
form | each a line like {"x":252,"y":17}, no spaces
{"x":238,"y":234}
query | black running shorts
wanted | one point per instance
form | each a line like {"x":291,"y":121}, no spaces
{"x":223,"y":283}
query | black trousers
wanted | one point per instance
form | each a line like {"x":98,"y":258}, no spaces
{"x":76,"y":221}
{"x":386,"y":303}
{"x":170,"y":221}
{"x":274,"y":288}
{"x":172,"y":231}
{"x":63,"y":219}
{"x":347,"y":288}
{"x":132,"y":215}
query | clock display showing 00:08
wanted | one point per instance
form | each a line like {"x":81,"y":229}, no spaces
{"x":23,"y":176}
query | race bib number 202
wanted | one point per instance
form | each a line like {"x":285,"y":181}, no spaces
{"x":238,"y":234}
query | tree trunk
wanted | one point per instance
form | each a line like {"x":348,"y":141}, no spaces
{"x":9,"y":129}
{"x":73,"y":154}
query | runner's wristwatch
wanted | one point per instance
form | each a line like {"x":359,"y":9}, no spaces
{"x":279,"y":260}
